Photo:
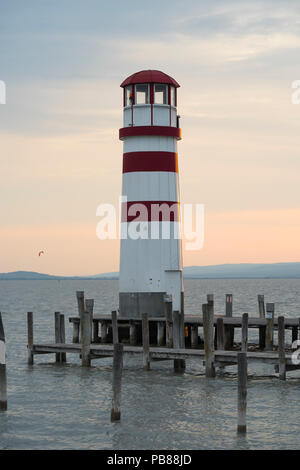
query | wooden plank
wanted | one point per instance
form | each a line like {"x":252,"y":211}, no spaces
{"x":85,"y":329}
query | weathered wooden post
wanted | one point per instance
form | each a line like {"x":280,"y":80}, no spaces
{"x":242,"y":392}
{"x":115,"y":414}
{"x":228,"y":305}
{"x":281,"y":348}
{"x":115,"y":331}
{"x":90,"y":308}
{"x":228,"y":329}
{"x":146,"y":341}
{"x":208,"y":330}
{"x":133,"y":334}
{"x":244,"y":342}
{"x":269,"y":326}
{"x":103,"y":331}
{"x":58,"y":356}
{"x":95,"y":331}
{"x":160,"y":333}
{"x":220,"y":333}
{"x":178,"y":339}
{"x":3,"y":380}
{"x":194,"y":336}
{"x":62,"y":335}
{"x":85,"y":329}
{"x":76,"y":325}
{"x":30,"y":337}
{"x":262,"y":329}
{"x":169,"y":322}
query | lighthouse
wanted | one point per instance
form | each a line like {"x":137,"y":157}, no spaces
{"x":150,"y":257}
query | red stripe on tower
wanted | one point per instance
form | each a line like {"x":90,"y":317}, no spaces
{"x":150,"y":211}
{"x":150,"y":161}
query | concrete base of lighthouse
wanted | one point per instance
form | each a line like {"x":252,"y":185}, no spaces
{"x":133,"y":304}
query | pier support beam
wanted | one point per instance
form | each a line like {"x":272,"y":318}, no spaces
{"x":244,"y":342}
{"x":85,"y":329}
{"x":208,"y":330}
{"x":269,"y":326}
{"x":3,"y":379}
{"x":146,"y":341}
{"x":30,"y":338}
{"x":115,"y":414}
{"x":178,"y":339}
{"x":281,"y":348}
{"x":228,"y":329}
{"x":262,"y":329}
{"x":115,"y":331}
{"x":242,"y":392}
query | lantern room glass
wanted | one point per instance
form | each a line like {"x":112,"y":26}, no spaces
{"x":128,"y":95}
{"x":160,"y":94}
{"x":141,"y":94}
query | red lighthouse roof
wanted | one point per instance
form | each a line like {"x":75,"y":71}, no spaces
{"x":149,"y":76}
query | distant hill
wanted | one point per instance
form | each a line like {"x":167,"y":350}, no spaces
{"x":220,"y":271}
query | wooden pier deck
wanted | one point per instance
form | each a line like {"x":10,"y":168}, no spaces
{"x":221,"y":357}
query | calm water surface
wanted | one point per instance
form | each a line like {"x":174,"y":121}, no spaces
{"x":55,"y":407}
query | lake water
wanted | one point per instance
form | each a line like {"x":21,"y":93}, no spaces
{"x":68,"y":407}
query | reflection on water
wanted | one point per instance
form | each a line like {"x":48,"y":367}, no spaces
{"x":67,"y":406}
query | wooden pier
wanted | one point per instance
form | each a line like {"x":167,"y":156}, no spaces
{"x":175,"y":337}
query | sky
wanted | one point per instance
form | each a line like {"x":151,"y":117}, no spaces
{"x":63,"y":61}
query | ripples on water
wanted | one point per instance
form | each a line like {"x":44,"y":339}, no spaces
{"x":54,"y":407}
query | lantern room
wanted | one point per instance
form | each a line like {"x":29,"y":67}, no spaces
{"x":150,"y":99}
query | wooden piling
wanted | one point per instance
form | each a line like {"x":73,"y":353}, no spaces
{"x":85,"y":329}
{"x":208,"y":325}
{"x":3,"y":379}
{"x":62,"y":335}
{"x":228,"y":305}
{"x":58,"y":356}
{"x":244,"y":342}
{"x":133,"y":334}
{"x":160,"y":333}
{"x":169,"y":323}
{"x":115,"y":331}
{"x":262,"y":329}
{"x":220,"y":333}
{"x":146,"y":341}
{"x":89,"y":303}
{"x":242,"y":392}
{"x":30,"y":337}
{"x":76,"y":325}
{"x":95,"y":331}
{"x":178,"y":339}
{"x":115,"y":414}
{"x":228,"y":329}
{"x":103,"y":332}
{"x":281,"y":348}
{"x":194,"y":336}
{"x":269,"y":326}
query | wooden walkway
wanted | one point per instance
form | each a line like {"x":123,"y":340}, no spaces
{"x":99,"y":351}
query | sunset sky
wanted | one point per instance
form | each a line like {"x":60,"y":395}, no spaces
{"x":60,"y":157}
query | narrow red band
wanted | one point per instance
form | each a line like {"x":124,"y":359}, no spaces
{"x":150,"y":161}
{"x":150,"y":211}
{"x":165,"y":131}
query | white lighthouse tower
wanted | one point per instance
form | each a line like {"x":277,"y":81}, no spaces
{"x":151,"y":259}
